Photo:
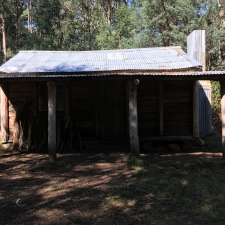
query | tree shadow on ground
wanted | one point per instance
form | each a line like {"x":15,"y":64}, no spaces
{"x":111,"y":189}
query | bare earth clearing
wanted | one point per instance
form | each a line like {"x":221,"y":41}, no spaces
{"x":112,"y":190}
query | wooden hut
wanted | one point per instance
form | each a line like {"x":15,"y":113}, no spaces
{"x":82,"y":100}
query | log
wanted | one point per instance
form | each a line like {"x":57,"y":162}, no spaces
{"x":168,"y":138}
{"x":133,"y":116}
{"x":52,"y":120}
{"x":4,"y":114}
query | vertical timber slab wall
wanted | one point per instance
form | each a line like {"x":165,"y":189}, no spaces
{"x":178,"y":108}
{"x":98,"y":113}
{"x":176,"y":102}
{"x":98,"y":110}
{"x":148,"y":108}
{"x":205,"y":109}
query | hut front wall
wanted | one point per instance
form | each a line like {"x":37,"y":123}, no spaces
{"x":176,"y":102}
{"x":178,"y":108}
{"x":91,"y":112}
{"x":95,"y":111}
{"x":98,"y":108}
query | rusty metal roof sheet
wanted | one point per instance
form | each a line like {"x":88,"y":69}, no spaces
{"x":191,"y":75}
{"x":147,"y":59}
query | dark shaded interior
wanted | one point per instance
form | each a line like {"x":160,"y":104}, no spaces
{"x":92,"y":114}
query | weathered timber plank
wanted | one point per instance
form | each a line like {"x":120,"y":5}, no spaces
{"x":52,"y":120}
{"x":133,"y":116}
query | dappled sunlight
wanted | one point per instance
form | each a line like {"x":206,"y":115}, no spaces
{"x":49,"y":216}
{"x":111,"y":189}
{"x":117,"y":202}
{"x":196,"y":154}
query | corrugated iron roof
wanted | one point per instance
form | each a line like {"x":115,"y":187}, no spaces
{"x":148,"y":59}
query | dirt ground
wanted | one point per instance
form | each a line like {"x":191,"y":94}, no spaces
{"x":113,"y":189}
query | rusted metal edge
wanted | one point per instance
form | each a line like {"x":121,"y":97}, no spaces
{"x":205,"y":75}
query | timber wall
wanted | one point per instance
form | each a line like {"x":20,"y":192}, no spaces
{"x":96,"y":111}
{"x":177,"y":103}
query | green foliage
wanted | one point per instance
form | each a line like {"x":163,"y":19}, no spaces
{"x":169,"y":22}
{"x":213,"y":24}
{"x":216,"y":105}
{"x":80,"y":25}
{"x":216,"y":95}
{"x":120,"y":33}
{"x":46,"y":18}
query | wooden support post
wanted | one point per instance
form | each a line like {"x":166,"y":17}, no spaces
{"x":133,"y":116}
{"x":222,"y":88}
{"x":4,"y":114}
{"x":196,"y":130}
{"x":161,"y":109}
{"x":52,"y":120}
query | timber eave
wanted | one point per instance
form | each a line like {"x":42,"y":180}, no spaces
{"x":136,"y":74}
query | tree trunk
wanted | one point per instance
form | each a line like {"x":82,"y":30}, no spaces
{"x":4,"y":48}
{"x":29,"y":18}
{"x":17,"y":24}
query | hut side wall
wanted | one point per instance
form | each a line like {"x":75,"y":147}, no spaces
{"x":205,"y":109}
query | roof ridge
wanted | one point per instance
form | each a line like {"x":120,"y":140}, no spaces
{"x":104,"y":50}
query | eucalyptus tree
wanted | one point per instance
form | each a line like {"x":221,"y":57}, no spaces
{"x":10,"y":13}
